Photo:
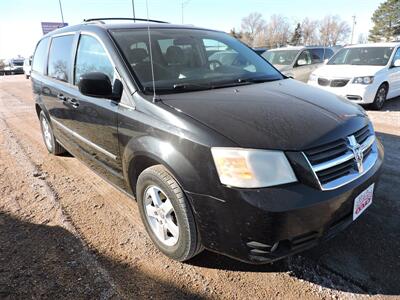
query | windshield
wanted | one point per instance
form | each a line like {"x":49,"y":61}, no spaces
{"x":363,"y":56}
{"x":188,"y":59}
{"x":18,"y":63}
{"x":281,"y":57}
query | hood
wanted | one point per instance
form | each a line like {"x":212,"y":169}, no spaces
{"x":283,"y":68}
{"x":284,"y":114}
{"x":347,"y":71}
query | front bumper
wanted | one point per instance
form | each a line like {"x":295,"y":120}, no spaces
{"x":264,"y":225}
{"x":356,"y":93}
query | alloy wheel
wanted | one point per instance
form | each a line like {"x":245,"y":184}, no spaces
{"x":47,"y":134}
{"x":161,"y":216}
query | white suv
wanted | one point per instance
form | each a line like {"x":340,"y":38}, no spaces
{"x":364,"y":74}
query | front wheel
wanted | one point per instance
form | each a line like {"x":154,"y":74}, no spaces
{"x":48,"y":137}
{"x":166,"y":214}
{"x":380,"y":97}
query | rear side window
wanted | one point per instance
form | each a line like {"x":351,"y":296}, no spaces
{"x":40,"y":57}
{"x":60,"y":57}
{"x":91,"y":57}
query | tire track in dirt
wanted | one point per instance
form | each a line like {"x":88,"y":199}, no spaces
{"x":47,"y":192}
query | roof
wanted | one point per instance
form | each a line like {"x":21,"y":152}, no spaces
{"x":393,"y":44}
{"x":298,"y":48}
{"x":125,"y":24}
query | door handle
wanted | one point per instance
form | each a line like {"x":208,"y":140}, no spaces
{"x":61,"y":97}
{"x":74,"y":103}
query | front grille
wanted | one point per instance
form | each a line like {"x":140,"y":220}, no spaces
{"x":324,"y":81}
{"x":339,"y":82}
{"x":326,"y":152}
{"x":335,"y":163}
{"x":333,"y":82}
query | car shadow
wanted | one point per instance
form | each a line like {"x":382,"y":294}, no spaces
{"x":39,"y":261}
{"x":363,"y":259}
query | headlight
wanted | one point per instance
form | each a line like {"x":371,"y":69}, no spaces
{"x":248,"y":168}
{"x":313,"y":77}
{"x":364,"y":80}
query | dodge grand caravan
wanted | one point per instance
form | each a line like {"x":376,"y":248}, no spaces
{"x":237,"y":159}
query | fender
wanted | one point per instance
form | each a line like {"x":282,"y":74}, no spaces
{"x":161,"y":152}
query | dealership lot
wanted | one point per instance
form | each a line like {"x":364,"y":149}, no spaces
{"x":78,"y":235}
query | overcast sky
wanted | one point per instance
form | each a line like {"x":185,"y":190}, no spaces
{"x":20,"y":20}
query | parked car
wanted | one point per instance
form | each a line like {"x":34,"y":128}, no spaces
{"x":14,"y":66}
{"x":242,"y":161}
{"x":260,"y":51}
{"x":364,"y":74}
{"x":27,"y":67}
{"x":298,"y":62}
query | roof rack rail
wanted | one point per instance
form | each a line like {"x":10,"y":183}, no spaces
{"x":127,"y":19}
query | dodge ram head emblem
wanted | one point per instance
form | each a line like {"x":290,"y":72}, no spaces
{"x":357,"y":151}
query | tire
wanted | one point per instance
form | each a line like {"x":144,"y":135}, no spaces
{"x":380,"y":97}
{"x":156,"y":180}
{"x":48,"y":137}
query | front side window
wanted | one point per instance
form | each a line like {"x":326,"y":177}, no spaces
{"x":281,"y":57}
{"x":396,"y":56}
{"x":304,"y":58}
{"x":362,"y":56}
{"x":60,"y":57}
{"x":40,"y":56}
{"x":91,"y":57}
{"x":185,"y":59}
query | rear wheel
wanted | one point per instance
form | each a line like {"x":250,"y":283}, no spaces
{"x":48,"y":137}
{"x":380,"y":97}
{"x":166,"y":214}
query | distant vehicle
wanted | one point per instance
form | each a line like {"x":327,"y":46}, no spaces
{"x":260,"y":51}
{"x":364,"y":74}
{"x":27,"y":67}
{"x":298,"y":62}
{"x":14,"y":66}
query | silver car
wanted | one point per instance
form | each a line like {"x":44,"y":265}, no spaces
{"x":298,"y":62}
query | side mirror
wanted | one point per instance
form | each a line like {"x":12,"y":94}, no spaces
{"x":326,"y":61}
{"x":396,"y":63}
{"x":98,"y":85}
{"x":301,"y":62}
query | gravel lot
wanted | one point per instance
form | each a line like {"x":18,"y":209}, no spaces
{"x":66,"y":233}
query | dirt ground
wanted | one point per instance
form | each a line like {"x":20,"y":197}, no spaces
{"x":65,"y":233}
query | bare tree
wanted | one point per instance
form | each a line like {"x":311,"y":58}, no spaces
{"x":333,"y":30}
{"x":252,"y":25}
{"x":309,"y":28}
{"x":277,"y":31}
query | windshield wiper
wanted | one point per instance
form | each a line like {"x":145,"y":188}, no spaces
{"x":178,"y":87}
{"x":190,"y":86}
{"x":260,"y":79}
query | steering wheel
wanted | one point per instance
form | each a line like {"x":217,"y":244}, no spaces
{"x":214,"y":64}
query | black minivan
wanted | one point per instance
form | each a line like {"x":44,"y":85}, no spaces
{"x":231,"y":156}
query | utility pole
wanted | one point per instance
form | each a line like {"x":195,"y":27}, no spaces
{"x":352,"y":30}
{"x":62,"y":16}
{"x":183,"y":4}
{"x":133,"y":10}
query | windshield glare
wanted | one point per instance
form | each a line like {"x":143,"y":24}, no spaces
{"x":191,"y":59}
{"x":363,"y":56}
{"x":281,"y":57}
